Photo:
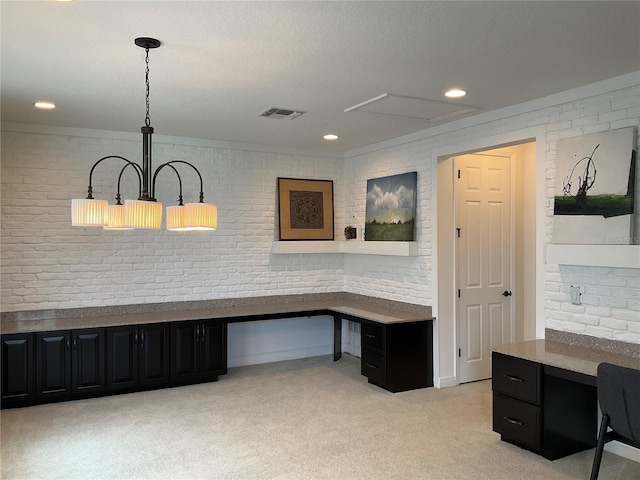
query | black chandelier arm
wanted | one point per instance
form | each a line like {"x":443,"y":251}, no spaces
{"x":179,"y":183}
{"x":129,"y":164}
{"x":170,"y":164}
{"x":135,"y":166}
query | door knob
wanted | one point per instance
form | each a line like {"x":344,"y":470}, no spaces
{"x":506,"y":293}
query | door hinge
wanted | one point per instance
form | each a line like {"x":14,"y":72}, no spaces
{"x":458,"y":293}
{"x":458,"y":230}
{"x":458,"y":173}
{"x":459,"y":353}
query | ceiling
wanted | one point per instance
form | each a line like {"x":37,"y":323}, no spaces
{"x":223,"y":63}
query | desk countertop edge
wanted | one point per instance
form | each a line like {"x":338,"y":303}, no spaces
{"x":357,"y":307}
{"x":565,"y":356}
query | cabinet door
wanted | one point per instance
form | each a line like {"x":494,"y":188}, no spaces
{"x":185,"y":355}
{"x":18,"y":384}
{"x":213,"y":351}
{"x":122,"y":357}
{"x":154,"y":350}
{"x":88,"y":360}
{"x":53,"y":365}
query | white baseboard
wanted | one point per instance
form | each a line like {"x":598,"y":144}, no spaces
{"x":352,"y":350}
{"x":445,"y":382}
{"x":268,"y":357}
{"x":623,"y":450}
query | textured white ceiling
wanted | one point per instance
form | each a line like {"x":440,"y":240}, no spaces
{"x":223,"y":63}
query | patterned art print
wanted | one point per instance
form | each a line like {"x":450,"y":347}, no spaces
{"x":306,"y":209}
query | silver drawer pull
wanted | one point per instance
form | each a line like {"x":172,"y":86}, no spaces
{"x":513,"y":421}
{"x":368,"y":335}
{"x":513,"y":379}
{"x":371,"y":365}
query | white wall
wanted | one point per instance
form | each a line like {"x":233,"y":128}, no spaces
{"x":48,"y":264}
{"x":613,"y":309}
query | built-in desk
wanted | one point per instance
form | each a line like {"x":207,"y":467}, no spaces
{"x":64,"y":354}
{"x":544,"y":395}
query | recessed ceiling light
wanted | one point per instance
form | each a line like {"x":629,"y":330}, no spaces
{"x":331,"y":136}
{"x":42,"y":105}
{"x":455,"y":93}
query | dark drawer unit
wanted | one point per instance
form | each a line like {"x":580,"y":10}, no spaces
{"x":546,"y":410}
{"x":517,"y":421}
{"x":518,"y":379}
{"x":397,"y":356}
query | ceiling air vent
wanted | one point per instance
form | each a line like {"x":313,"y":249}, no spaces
{"x":281,"y":114}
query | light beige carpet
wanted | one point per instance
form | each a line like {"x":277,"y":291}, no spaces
{"x":301,"y":419}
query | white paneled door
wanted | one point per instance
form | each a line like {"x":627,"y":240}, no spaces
{"x":483,"y":253}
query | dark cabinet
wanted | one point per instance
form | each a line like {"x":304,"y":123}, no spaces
{"x":397,"y":357}
{"x":18,"y":382}
{"x":69,"y":362}
{"x":198,"y":351}
{"x":88,"y":361}
{"x":547,"y":410}
{"x":138,"y":356}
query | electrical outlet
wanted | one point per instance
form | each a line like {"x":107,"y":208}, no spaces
{"x":574,"y":294}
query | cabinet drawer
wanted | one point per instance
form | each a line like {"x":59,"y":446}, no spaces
{"x":516,"y":378}
{"x":374,"y":367}
{"x":517,"y":421}
{"x":372,"y":336}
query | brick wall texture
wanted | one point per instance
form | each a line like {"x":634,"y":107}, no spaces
{"x":47,"y":263}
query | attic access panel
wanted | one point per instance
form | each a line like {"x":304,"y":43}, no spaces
{"x":412,"y":107}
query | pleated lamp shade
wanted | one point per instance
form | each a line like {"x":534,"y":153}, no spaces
{"x":200,"y":216}
{"x":142,"y":214}
{"x":116,"y":218}
{"x":175,"y":218}
{"x":89,"y":212}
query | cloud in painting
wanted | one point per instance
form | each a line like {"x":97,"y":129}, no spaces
{"x":391,"y":199}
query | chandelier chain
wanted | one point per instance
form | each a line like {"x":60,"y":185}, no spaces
{"x":147,"y":120}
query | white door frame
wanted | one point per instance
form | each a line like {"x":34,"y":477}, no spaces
{"x":446,"y":357}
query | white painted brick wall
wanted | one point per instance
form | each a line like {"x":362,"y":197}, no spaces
{"x":46,"y":263}
{"x":611,"y":301}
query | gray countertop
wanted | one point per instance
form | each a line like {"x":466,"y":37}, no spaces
{"x":369,"y":308}
{"x":569,"y":357}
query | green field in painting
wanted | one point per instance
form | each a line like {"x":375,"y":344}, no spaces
{"x":605,"y":205}
{"x":389,"y":232}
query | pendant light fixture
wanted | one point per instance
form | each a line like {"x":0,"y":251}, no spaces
{"x":146,"y":211}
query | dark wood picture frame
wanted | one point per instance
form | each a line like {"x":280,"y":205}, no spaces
{"x":305,"y":209}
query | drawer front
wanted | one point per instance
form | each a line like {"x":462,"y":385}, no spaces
{"x":517,"y":421}
{"x":372,"y":336}
{"x":374,"y":367}
{"x":516,"y":378}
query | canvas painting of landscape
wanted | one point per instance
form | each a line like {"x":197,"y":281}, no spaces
{"x":391,"y":208}
{"x":594,"y":189}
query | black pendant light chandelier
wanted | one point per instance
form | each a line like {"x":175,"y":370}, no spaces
{"x":145,"y":212}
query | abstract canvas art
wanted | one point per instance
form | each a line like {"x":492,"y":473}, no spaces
{"x":595,"y":189}
{"x":391,"y":208}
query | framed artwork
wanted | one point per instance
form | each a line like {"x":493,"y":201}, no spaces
{"x":390,"y":213}
{"x":594,"y":189}
{"x":305,"y":209}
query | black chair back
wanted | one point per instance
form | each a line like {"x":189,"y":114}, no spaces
{"x":619,"y":398}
